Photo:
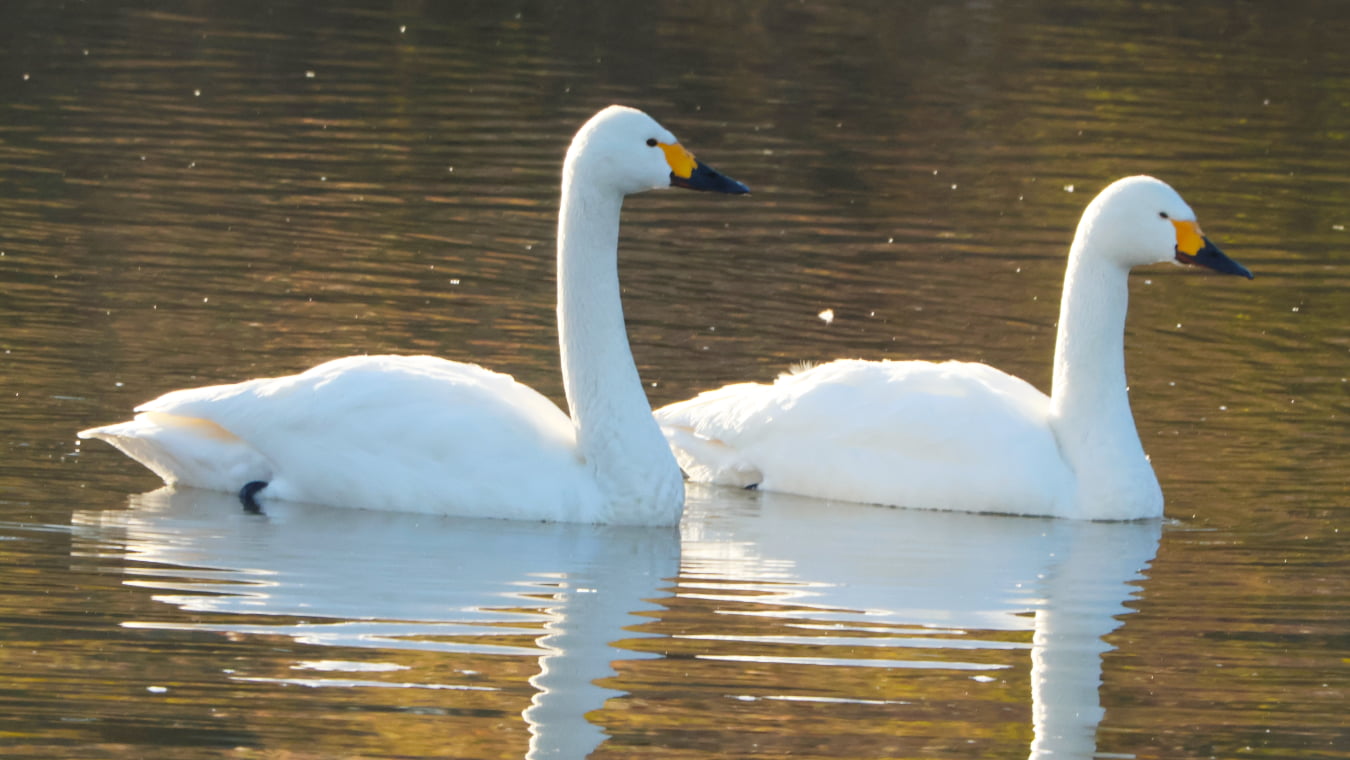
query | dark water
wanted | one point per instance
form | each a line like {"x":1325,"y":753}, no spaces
{"x":194,"y":193}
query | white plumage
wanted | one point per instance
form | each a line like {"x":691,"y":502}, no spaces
{"x":877,"y":433}
{"x":423,"y":434}
{"x":964,"y":436}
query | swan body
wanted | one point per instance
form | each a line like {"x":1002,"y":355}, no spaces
{"x":965,"y":436}
{"x":423,"y":434}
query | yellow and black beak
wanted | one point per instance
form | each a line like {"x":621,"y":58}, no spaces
{"x":1194,"y":248}
{"x":687,"y":171}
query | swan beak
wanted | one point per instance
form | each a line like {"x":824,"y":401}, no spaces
{"x":689,"y":172}
{"x":1194,"y":248}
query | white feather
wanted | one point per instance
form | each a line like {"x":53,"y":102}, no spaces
{"x":423,"y":434}
{"x":956,"y":435}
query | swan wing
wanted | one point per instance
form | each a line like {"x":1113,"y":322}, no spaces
{"x":950,"y":435}
{"x":413,"y":433}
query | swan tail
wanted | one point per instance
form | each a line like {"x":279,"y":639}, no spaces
{"x":709,"y":460}
{"x":186,"y":450}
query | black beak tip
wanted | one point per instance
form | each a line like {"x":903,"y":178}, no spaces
{"x":1211,"y":257}
{"x":705,"y":177}
{"x":736,"y":187}
{"x":1219,"y":262}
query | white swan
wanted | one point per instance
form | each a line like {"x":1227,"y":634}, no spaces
{"x":422,"y":434}
{"x":963,"y":436}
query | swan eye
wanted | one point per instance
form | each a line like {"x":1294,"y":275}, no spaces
{"x":1162,"y":214}
{"x":651,"y":142}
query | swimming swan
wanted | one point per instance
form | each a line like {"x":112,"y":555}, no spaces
{"x":964,"y":436}
{"x":423,"y":434}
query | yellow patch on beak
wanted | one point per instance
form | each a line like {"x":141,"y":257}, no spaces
{"x":681,"y":161}
{"x":1189,"y":237}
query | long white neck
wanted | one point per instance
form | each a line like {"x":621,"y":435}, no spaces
{"x":1089,"y":399}
{"x":616,"y":433}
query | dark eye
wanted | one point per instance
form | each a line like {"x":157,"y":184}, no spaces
{"x":1162,"y":214}
{"x":651,"y":142}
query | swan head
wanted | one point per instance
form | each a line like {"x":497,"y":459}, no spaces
{"x":1141,"y":220}
{"x":626,"y":150}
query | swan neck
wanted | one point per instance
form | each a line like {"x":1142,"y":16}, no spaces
{"x":1089,"y":369}
{"x":616,"y":432}
{"x":1089,"y":399}
{"x":596,"y":359}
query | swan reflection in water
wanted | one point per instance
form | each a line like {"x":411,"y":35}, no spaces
{"x":393,"y":581}
{"x":859,"y":567}
{"x":397,"y":581}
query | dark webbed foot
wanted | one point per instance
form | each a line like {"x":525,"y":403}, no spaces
{"x":248,"y":496}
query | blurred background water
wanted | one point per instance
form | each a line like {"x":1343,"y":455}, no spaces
{"x":194,"y":193}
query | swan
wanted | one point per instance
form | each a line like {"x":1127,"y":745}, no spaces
{"x":965,"y":436}
{"x":424,"y":434}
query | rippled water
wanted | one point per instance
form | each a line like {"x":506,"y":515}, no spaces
{"x":201,"y":193}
